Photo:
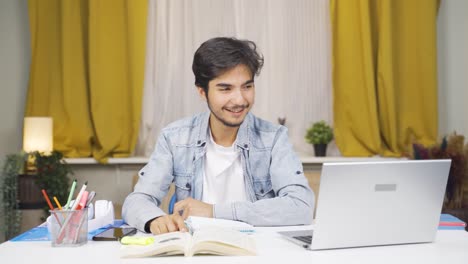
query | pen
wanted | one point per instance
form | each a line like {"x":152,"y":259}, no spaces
{"x":57,"y":203}
{"x":91,"y":196}
{"x":47,"y":200}
{"x":81,"y":205}
{"x":82,"y":202}
{"x":78,"y":197}
{"x":50,"y":205}
{"x":72,"y":190}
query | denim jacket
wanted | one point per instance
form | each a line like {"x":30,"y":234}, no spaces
{"x":277,"y":191}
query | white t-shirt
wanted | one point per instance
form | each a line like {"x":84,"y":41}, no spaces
{"x":223,"y":180}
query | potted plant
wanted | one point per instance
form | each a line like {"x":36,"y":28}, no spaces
{"x":319,"y":134}
{"x":52,"y":175}
{"x":21,"y":191}
{"x":456,"y":193}
{"x":9,"y":204}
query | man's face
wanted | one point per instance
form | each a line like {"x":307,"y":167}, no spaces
{"x":230,"y":96}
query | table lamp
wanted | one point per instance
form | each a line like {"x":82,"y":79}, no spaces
{"x":37,"y":136}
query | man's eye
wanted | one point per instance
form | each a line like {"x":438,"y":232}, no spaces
{"x":249,"y":87}
{"x":225,"y":89}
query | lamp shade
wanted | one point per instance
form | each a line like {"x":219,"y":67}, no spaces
{"x":38,"y":134}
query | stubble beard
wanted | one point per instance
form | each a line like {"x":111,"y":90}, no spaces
{"x":223,"y":121}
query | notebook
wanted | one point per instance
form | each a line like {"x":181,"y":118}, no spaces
{"x":376,"y":203}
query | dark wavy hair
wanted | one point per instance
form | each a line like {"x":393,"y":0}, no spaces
{"x":218,"y":55}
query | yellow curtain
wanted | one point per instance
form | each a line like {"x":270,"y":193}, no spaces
{"x":87,"y":73}
{"x":384,"y":75}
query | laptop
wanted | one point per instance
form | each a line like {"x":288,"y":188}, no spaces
{"x":364,"y":204}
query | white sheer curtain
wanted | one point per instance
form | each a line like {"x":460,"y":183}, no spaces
{"x":293,"y":36}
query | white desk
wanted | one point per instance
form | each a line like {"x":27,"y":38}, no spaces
{"x":450,"y":247}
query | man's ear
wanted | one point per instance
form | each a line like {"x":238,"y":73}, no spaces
{"x":201,"y":92}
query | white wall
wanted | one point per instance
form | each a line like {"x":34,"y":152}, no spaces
{"x":452,"y":58}
{"x":14,"y":70}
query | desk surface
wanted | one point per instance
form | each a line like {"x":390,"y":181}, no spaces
{"x":450,"y":247}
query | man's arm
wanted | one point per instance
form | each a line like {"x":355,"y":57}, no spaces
{"x":293,"y":203}
{"x":142,"y":205}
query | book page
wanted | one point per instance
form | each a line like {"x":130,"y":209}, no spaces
{"x":174,"y":243}
{"x":196,"y":223}
{"x":222,"y":241}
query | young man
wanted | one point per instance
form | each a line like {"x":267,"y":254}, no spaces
{"x":225,"y":163}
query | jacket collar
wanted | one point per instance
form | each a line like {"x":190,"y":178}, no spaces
{"x":242,"y":139}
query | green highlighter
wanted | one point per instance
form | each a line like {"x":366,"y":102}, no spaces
{"x":135,"y":240}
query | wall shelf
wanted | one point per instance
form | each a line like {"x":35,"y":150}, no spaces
{"x":306,"y":159}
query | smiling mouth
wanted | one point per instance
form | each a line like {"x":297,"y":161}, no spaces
{"x":235,"y":110}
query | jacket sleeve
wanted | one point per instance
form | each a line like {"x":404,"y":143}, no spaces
{"x":293,"y":203}
{"x":154,"y":181}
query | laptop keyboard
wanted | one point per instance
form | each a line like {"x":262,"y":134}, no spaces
{"x":305,"y":239}
{"x":300,"y":237}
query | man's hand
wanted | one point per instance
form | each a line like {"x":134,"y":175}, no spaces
{"x":193,"y":207}
{"x":168,"y":223}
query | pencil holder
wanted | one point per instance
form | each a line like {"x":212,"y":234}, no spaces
{"x":68,"y":228}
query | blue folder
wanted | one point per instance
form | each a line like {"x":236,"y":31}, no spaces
{"x":40,"y":233}
{"x":451,"y":219}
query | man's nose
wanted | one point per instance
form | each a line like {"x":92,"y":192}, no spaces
{"x":237,"y":97}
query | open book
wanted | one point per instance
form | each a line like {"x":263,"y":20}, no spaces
{"x":196,"y":223}
{"x":211,"y":240}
